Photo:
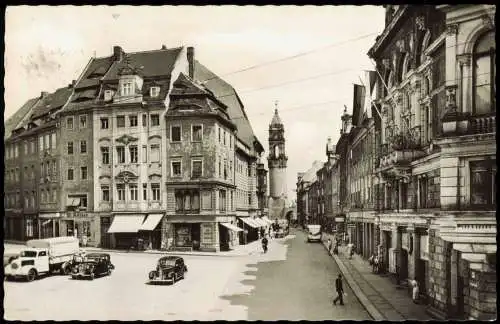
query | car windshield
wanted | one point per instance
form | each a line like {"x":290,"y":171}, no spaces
{"x":28,"y":254}
{"x":167,"y":262}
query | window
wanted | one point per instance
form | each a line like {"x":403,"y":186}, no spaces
{"x":249,"y":198}
{"x":145,"y":191}
{"x":224,"y":137}
{"x":33,"y":146}
{"x":144,"y":120}
{"x":218,"y":128}
{"x":108,"y":95}
{"x":155,"y":190}
{"x":155,"y":120}
{"x":126,"y":88}
{"x":54,"y":140}
{"x":104,"y":123}
{"x":120,"y":190}
{"x":154,"y":92}
{"x":83,"y":202}
{"x":155,"y":153}
{"x":482,"y":183}
{"x":222,"y":200}
{"x":83,"y":121}
{"x":133,"y":154}
{"x":133,"y":191}
{"x":230,"y":140}
{"x":175,"y":133}
{"x":144,"y":154}
{"x":120,"y":151}
{"x":232,"y":201}
{"x":40,"y":144}
{"x":196,"y":168}
{"x":176,"y":170}
{"x":29,"y":227}
{"x":70,"y":148}
{"x":47,"y":142}
{"x":70,"y":174}
{"x":105,"y":193}
{"x":423,"y":192}
{"x":83,"y":147}
{"x":105,"y":154}
{"x":484,"y":71}
{"x":48,"y":197}
{"x":196,"y":133}
{"x":83,"y":173}
{"x":120,"y":121}
{"x":69,"y":123}
{"x":132,"y":120}
{"x":187,"y":201}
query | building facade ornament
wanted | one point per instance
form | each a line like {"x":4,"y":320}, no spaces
{"x":487,"y":21}
{"x":464,"y":59}
{"x":420,"y":23}
{"x":451,"y":96}
{"x":386,"y":63}
{"x":451,"y":29}
{"x":401,"y":45}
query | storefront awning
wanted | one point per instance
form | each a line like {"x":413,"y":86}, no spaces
{"x":267,"y":220}
{"x":126,"y":224}
{"x":73,"y":202}
{"x":250,"y":222}
{"x":232,"y":227}
{"x":151,"y":222}
{"x":261,"y":222}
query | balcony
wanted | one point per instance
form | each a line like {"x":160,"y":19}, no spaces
{"x":457,"y":124}
{"x":401,"y":148}
{"x":483,"y":124}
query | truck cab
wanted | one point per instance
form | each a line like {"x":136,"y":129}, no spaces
{"x":31,"y":263}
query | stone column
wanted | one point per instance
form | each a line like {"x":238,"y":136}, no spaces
{"x":413,"y":258}
{"x":465,"y":80}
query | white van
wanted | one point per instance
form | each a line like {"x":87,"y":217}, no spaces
{"x":313,"y":233}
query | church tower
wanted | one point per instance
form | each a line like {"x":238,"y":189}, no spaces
{"x":277,"y":158}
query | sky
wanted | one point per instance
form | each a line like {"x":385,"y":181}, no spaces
{"x":305,"y":58}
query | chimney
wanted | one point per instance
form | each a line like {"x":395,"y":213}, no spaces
{"x":117,"y":53}
{"x":43,"y":94}
{"x":163,"y":47}
{"x":190,"y":59}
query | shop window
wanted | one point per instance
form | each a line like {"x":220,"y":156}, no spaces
{"x":155,"y":190}
{"x":484,"y":71}
{"x":187,"y":201}
{"x":29,"y":227}
{"x":482,"y":183}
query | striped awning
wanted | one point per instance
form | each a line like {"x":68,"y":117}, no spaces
{"x":250,"y":222}
{"x":126,"y":224}
{"x":232,"y":227}
{"x":261,"y":222}
{"x":267,"y":220}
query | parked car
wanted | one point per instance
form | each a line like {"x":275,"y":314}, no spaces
{"x":313,"y":233}
{"x":169,"y":269}
{"x":92,"y":265}
{"x":43,"y":256}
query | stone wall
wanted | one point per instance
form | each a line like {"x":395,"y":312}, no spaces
{"x":439,"y":255}
{"x":482,"y":295}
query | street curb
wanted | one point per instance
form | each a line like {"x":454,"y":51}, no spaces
{"x":165,"y":252}
{"x":370,"y":308}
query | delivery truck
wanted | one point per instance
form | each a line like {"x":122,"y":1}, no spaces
{"x":43,"y":256}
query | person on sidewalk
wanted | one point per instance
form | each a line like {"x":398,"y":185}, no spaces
{"x":329,"y":246}
{"x":415,"y":291}
{"x":264,"y":244}
{"x":340,"y":291}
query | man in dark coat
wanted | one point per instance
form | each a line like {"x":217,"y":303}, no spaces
{"x":340,"y":291}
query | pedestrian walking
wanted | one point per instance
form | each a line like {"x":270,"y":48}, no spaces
{"x":329,"y":246}
{"x":264,"y":244}
{"x":375,"y":268}
{"x":340,"y":291}
{"x":415,"y":291}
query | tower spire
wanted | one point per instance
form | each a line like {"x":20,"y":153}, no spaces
{"x":276,"y":118}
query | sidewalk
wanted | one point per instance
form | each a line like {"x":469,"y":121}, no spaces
{"x":238,"y":251}
{"x":381,"y":298}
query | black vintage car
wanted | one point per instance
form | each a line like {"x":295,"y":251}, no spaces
{"x":169,"y":269}
{"x":93,"y":264}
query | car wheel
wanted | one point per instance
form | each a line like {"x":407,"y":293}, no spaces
{"x":66,"y":269}
{"x":31,"y":275}
{"x":152,"y":275}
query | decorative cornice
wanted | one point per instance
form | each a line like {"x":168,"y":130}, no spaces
{"x":464,"y":59}
{"x":126,"y":176}
{"x":420,"y":23}
{"x":102,"y":139}
{"x":104,"y":176}
{"x":126,"y":139}
{"x":154,"y":136}
{"x":154,"y":175}
{"x":487,"y":21}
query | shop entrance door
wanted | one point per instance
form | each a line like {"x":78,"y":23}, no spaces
{"x":195,"y":234}
{"x":105,"y":237}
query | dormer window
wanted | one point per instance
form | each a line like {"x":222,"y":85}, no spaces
{"x":154,"y":92}
{"x":108,"y":95}
{"x":127,"y":88}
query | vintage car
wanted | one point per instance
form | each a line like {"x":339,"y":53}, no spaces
{"x":92,"y":265}
{"x":169,"y":269}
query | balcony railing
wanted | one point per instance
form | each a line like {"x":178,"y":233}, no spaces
{"x":482,"y":124}
{"x":402,"y":147}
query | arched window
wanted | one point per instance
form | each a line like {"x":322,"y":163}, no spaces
{"x":483,"y":59}
{"x":276,"y":151}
